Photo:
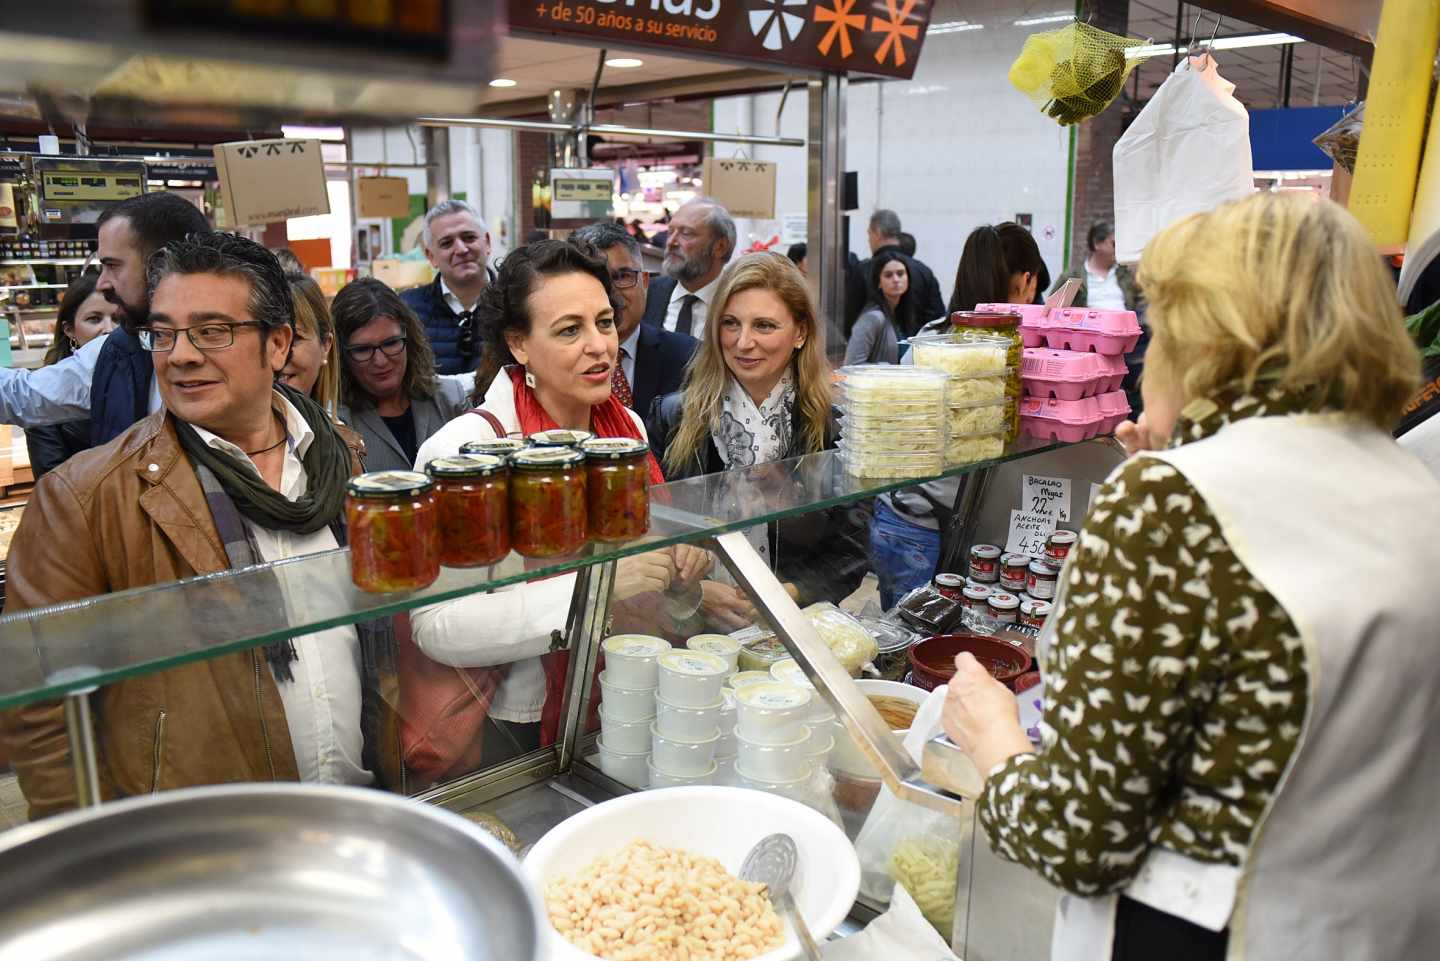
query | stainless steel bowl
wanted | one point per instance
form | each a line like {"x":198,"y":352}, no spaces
{"x":252,"y":872}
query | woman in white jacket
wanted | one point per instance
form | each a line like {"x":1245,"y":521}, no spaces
{"x":548,"y":320}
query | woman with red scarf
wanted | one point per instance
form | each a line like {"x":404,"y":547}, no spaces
{"x":550,"y":354}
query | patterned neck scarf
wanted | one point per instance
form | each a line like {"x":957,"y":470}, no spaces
{"x":750,"y":435}
{"x":1204,"y":417}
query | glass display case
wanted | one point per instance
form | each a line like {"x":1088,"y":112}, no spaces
{"x":499,"y":676}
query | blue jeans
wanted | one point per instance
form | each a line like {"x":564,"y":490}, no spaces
{"x":903,"y":555}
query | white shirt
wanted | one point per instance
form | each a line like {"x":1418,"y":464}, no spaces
{"x":511,"y":625}
{"x":451,"y":300}
{"x":627,"y":354}
{"x":699,"y":312}
{"x":322,"y":703}
{"x":1102,"y":291}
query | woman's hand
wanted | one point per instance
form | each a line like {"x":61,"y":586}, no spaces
{"x":691,"y":563}
{"x":1134,"y":436}
{"x":643,"y":572}
{"x":981,"y":716}
{"x":726,"y":607}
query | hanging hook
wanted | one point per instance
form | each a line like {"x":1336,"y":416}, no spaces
{"x":1194,"y":28}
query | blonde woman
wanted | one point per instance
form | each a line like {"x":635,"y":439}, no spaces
{"x":1242,"y":684}
{"x":758,"y":390}
{"x":314,"y":364}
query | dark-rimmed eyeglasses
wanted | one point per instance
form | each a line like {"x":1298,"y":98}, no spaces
{"x":365,"y":353}
{"x":625,"y":278}
{"x":211,"y":336}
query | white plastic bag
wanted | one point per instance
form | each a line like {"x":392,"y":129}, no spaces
{"x":900,"y":934}
{"x":1187,"y":152}
{"x":915,"y":847}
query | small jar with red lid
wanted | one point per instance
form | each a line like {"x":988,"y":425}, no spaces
{"x":1042,"y":580}
{"x":473,"y":491}
{"x":985,"y":563}
{"x":949,"y":585}
{"x":617,"y":487}
{"x":1003,"y":606}
{"x":1058,"y":546}
{"x":548,"y":510}
{"x":1013,"y":570}
{"x":974,"y":596}
{"x":392,"y":520}
{"x":1034,"y":612}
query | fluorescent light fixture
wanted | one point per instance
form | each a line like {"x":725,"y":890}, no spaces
{"x":1048,"y":18}
{"x":1223,"y":43}
{"x":624,"y":63}
{"x":503,"y":82}
{"x":953,"y":26}
{"x":1253,"y":40}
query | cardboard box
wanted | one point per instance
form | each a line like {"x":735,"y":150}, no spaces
{"x":384,"y":197}
{"x":264,"y":181}
{"x":745,"y":187}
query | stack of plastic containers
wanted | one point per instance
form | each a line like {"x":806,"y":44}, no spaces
{"x":686,"y":734}
{"x":980,"y":391}
{"x":627,"y":706}
{"x":892,"y":422}
{"x":1072,"y":370}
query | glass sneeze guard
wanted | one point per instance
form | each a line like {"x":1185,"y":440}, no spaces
{"x":66,"y":647}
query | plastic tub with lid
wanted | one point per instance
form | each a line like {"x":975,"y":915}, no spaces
{"x":692,"y":678}
{"x":960,"y":355}
{"x":890,"y":384}
{"x":632,"y":660}
{"x":772,"y":713}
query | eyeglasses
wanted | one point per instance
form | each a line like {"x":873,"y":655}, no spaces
{"x":625,"y":278}
{"x":365,"y":353}
{"x":212,"y":336}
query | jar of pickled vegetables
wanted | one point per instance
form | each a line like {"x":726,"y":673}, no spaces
{"x":547,"y":501}
{"x":559,"y":437}
{"x":394,"y":529}
{"x":501,"y":447}
{"x":473,"y":492}
{"x":617,"y":487}
{"x":1005,"y":325}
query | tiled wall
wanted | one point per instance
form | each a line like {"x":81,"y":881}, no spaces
{"x":953,"y":148}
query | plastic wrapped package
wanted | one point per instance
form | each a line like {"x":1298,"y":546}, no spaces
{"x":984,"y":389}
{"x":891,"y":384}
{"x":895,"y":440}
{"x":852,"y":645}
{"x":975,"y":419}
{"x":960,"y":355}
{"x":884,"y":466}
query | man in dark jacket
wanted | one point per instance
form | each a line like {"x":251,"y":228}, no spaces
{"x":652,"y":359}
{"x":701,"y":241}
{"x":884,"y":232}
{"x":122,"y":390}
{"x":458,"y":246}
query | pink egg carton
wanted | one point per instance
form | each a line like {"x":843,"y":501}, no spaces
{"x":1027,"y":312}
{"x":1070,"y":374}
{"x":1084,"y":329}
{"x":1072,"y":420}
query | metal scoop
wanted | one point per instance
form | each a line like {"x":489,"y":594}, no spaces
{"x":772,"y":863}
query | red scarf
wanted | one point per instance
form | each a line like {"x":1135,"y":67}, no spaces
{"x":610,"y":419}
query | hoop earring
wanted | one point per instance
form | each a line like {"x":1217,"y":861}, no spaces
{"x":529,"y":379}
{"x":74,"y":344}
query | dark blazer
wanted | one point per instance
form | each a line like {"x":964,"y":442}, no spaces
{"x":658,"y":300}
{"x":120,"y":387}
{"x":382,"y":451}
{"x":660,"y":359}
{"x":438,"y":319}
{"x":825,"y":553}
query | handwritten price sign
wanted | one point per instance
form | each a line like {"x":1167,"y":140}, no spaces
{"x":1028,"y":532}
{"x":1046,"y":495}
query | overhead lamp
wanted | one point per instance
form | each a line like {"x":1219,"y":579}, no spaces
{"x":1253,"y":40}
{"x":953,"y":26}
{"x":1048,"y":18}
{"x":503,"y":82}
{"x":624,"y":63}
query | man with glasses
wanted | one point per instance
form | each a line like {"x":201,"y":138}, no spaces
{"x":652,"y":359}
{"x":457,"y":245}
{"x":699,"y":244}
{"x":110,"y":379}
{"x":237,"y":469}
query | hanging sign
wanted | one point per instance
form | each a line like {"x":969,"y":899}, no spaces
{"x":860,"y":36}
{"x":1046,"y":495}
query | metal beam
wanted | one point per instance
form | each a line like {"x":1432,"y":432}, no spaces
{"x":825,"y":185}
{"x":545,"y":126}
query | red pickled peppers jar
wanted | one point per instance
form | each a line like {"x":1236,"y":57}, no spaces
{"x":392,"y":521}
{"x":617,"y":487}
{"x":473,"y":491}
{"x":547,"y":501}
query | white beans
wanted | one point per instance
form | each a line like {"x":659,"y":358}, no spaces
{"x":650,"y":903}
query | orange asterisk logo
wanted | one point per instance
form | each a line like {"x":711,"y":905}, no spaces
{"x":841,"y":21}
{"x":893,"y":29}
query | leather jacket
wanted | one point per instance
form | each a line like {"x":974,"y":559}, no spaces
{"x":132,"y":513}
